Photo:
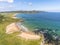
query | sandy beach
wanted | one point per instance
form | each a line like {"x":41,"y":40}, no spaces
{"x":28,"y":36}
{"x":11,"y":28}
{"x":24,"y":33}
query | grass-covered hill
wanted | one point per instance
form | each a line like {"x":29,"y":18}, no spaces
{"x":11,"y":39}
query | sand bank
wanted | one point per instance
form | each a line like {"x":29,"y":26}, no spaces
{"x":24,"y":33}
{"x":28,"y":36}
{"x":15,"y":27}
{"x":11,"y":28}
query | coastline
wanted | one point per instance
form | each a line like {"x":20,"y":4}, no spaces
{"x":19,"y":25}
{"x":12,"y":37}
{"x":23,"y":28}
{"x":24,"y":31}
{"x":14,"y":16}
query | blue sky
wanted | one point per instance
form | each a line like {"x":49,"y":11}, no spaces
{"x":43,"y":5}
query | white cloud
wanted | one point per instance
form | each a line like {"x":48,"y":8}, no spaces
{"x":1,"y":7}
{"x":10,"y":6}
{"x":9,"y":1}
{"x":7,"y":7}
{"x":30,"y":3}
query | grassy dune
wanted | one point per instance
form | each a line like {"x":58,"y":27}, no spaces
{"x":11,"y":39}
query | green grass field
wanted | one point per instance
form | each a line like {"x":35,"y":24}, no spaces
{"x":11,"y":39}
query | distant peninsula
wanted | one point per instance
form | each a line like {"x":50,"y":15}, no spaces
{"x":33,"y":11}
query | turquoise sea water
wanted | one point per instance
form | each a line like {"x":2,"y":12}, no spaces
{"x":41,"y":20}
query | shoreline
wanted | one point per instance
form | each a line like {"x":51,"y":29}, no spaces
{"x":19,"y":25}
{"x":23,"y":31}
{"x":14,"y":16}
{"x":23,"y":28}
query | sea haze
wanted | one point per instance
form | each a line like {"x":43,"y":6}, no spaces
{"x":49,"y":20}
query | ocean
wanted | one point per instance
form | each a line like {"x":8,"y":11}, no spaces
{"x":34,"y":21}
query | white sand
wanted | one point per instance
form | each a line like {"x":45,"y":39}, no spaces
{"x":23,"y":34}
{"x":12,"y":28}
{"x":28,"y":36}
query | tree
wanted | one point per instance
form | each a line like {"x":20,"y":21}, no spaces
{"x":2,"y":18}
